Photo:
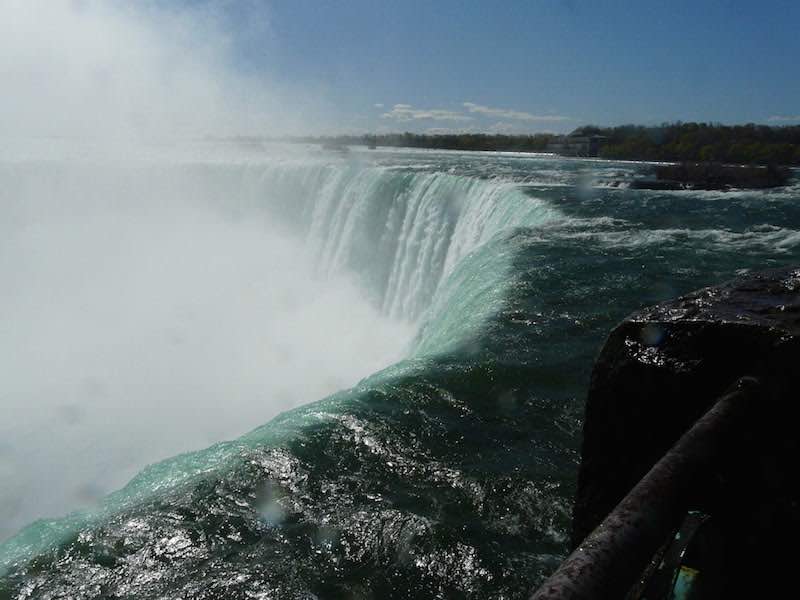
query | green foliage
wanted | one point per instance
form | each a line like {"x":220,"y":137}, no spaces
{"x":456,"y":141}
{"x":737,"y":144}
{"x":674,"y":142}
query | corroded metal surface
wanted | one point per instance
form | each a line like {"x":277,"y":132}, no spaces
{"x":609,"y":560}
{"x":661,"y":369}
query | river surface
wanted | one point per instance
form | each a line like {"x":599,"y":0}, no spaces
{"x":198,"y":301}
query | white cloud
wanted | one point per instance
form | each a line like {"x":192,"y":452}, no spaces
{"x":378,"y":105}
{"x":406,"y":112}
{"x":784,"y":118}
{"x":505,"y":113}
{"x":503,"y":127}
{"x":448,"y":130}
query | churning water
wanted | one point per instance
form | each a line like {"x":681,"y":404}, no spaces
{"x":157,"y":304}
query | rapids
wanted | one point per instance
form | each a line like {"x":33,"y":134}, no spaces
{"x":470,"y":291}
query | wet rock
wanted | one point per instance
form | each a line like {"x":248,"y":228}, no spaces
{"x":661,"y":369}
{"x":656,"y":184}
{"x":715,"y":176}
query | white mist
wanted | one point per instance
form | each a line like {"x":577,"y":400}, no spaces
{"x":140,"y":320}
{"x":138,"y":317}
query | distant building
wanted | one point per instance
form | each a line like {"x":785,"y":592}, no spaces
{"x":576,"y":145}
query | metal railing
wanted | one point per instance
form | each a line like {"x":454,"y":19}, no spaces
{"x":610,"y":560}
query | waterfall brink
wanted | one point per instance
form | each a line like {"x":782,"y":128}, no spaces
{"x":212,"y":259}
{"x":408,"y":237}
{"x":447,"y":472}
{"x":399,"y":231}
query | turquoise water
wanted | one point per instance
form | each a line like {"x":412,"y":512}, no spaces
{"x":450,"y":473}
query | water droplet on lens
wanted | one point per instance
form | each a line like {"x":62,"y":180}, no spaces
{"x":652,"y":335}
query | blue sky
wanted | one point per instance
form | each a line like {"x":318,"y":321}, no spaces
{"x":532,"y":65}
{"x":194,"y":67}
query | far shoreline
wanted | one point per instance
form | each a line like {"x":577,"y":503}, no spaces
{"x":669,"y":143}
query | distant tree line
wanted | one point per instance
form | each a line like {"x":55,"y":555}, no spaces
{"x":701,"y":142}
{"x":676,"y":142}
{"x":454,"y":141}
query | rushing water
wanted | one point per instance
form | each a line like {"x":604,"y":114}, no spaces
{"x":447,"y":474}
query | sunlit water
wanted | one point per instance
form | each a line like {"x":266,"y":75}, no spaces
{"x":180,"y":297}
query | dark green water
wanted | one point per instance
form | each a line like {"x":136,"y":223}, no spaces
{"x":451,"y":473}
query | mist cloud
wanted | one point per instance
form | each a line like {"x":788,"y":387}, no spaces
{"x":147,"y":307}
{"x":136,"y":69}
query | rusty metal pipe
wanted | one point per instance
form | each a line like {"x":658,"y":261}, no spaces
{"x":611,"y":558}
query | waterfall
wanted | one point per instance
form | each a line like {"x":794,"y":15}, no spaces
{"x":399,"y":232}
{"x":209,"y":263}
